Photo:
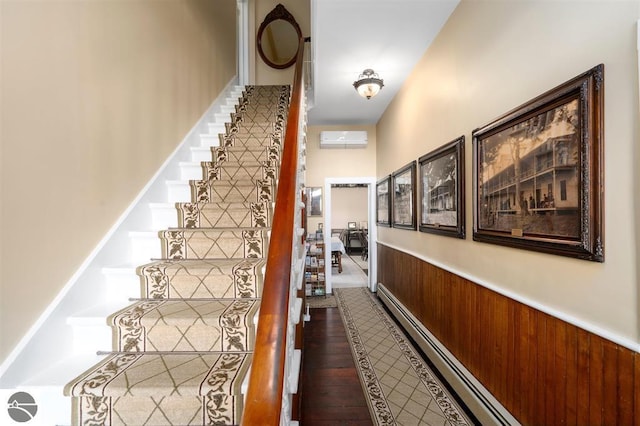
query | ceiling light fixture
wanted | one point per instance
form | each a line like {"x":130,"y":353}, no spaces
{"x":368,"y":83}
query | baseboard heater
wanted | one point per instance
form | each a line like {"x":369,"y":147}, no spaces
{"x":484,"y":406}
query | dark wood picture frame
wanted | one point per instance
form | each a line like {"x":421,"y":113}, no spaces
{"x":538,"y":179}
{"x":383,"y":202}
{"x":403,"y":199}
{"x":442,"y":209}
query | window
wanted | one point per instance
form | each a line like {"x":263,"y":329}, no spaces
{"x":563,"y":189}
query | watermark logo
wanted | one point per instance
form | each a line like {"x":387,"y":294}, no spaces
{"x":22,"y":407}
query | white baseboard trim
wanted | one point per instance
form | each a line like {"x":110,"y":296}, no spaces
{"x":480,"y":401}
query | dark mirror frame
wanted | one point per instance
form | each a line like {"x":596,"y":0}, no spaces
{"x":278,"y":12}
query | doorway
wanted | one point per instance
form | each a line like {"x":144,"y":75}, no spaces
{"x":370,"y":182}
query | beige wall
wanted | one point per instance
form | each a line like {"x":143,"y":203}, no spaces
{"x":95,"y":96}
{"x":262,"y":73}
{"x":337,"y":163}
{"x":348,"y":205}
{"x":490,"y":57}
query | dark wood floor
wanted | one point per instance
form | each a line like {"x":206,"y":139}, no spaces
{"x":331,"y":390}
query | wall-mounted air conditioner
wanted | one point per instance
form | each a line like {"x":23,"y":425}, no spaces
{"x":343,"y":139}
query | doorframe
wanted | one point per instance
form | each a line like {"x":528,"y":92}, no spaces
{"x":242,"y":41}
{"x":372,"y":228}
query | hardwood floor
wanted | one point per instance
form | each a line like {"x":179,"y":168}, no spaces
{"x":331,"y":390}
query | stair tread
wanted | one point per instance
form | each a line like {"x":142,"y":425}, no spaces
{"x":206,"y":243}
{"x":210,"y":266}
{"x":185,"y":311}
{"x":242,"y":148}
{"x":194,"y":278}
{"x":216,"y":215}
{"x":221,"y":183}
{"x":167,"y":374}
{"x":240,"y":205}
{"x":231,"y":183}
{"x":234,"y":171}
{"x":213,"y":230}
{"x":257,"y":190}
{"x":252,"y":133}
{"x":235,"y":163}
{"x":186,"y":325}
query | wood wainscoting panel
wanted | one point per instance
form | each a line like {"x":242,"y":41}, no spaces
{"x":543,"y":370}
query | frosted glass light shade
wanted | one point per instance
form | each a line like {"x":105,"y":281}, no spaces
{"x":368,"y":84}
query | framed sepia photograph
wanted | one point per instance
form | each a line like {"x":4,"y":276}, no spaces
{"x":441,"y":175}
{"x":383,"y":202}
{"x":314,"y":201}
{"x":403,"y":183}
{"x":538,"y":178}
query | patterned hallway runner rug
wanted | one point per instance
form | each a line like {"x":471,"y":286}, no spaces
{"x":326,"y":301}
{"x":399,"y":387}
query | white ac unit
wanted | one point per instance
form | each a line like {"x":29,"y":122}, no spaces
{"x":343,"y":139}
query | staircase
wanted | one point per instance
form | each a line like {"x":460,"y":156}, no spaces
{"x":182,"y":351}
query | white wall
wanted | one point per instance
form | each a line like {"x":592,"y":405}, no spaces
{"x":491,"y":57}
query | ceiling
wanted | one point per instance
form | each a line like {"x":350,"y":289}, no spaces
{"x":347,"y":36}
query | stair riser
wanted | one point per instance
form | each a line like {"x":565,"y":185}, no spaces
{"x":178,"y":192}
{"x":249,"y":114}
{"x":205,"y":326}
{"x":239,"y":192}
{"x":191,"y":171}
{"x":215,"y":128}
{"x":121,"y":283}
{"x":256,"y":94}
{"x":163,"y":280}
{"x":265,"y":115}
{"x":164,"y":216}
{"x":234,"y":172}
{"x":251,"y":139}
{"x":230,"y":107}
{"x":215,"y":409}
{"x":254,"y":128}
{"x":209,"y":139}
{"x":200,"y":244}
{"x":193,"y":215}
{"x":201,"y":153}
{"x":139,"y":389}
{"x":89,"y":337}
{"x":253,"y":113}
{"x":223,"y":117}
{"x":246,"y":155}
{"x":144,"y":247}
{"x":203,"y":338}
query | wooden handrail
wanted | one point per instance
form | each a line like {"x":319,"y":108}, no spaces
{"x":263,"y":402}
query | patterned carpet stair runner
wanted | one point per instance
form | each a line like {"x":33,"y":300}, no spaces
{"x":182,"y":352}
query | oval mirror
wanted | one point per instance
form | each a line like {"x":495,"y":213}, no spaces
{"x":278,"y":38}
